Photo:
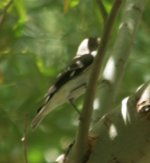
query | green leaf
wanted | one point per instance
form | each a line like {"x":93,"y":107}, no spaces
{"x":21,"y":10}
{"x":74,"y":3}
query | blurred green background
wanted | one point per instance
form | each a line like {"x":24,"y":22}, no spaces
{"x":38,"y":38}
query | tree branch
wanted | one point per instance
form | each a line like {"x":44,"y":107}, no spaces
{"x":3,"y":16}
{"x":102,"y":10}
{"x":120,"y":54}
{"x":25,"y":140}
{"x":65,"y":6}
{"x":126,"y":127}
{"x":81,"y":143}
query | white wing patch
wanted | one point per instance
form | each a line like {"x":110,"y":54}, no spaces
{"x":83,"y":48}
{"x":79,"y":63}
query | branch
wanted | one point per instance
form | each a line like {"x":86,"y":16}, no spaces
{"x":126,"y":128}
{"x":102,"y":10}
{"x":120,"y":55}
{"x":25,"y":140}
{"x":3,"y":16}
{"x":81,"y":144}
{"x":66,"y":6}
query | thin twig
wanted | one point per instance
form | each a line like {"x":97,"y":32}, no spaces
{"x":81,"y":144}
{"x":3,"y":16}
{"x":25,"y":141}
{"x":66,"y":6}
{"x":102,"y":10}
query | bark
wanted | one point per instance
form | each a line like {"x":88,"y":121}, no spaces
{"x":123,"y":135}
{"x":116,"y":65}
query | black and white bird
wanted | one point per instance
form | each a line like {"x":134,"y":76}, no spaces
{"x":72,"y":82}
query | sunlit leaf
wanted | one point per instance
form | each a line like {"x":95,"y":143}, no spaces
{"x":74,"y":3}
{"x":21,"y":10}
{"x":3,"y":3}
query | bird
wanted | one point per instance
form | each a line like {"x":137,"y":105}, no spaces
{"x":72,"y":82}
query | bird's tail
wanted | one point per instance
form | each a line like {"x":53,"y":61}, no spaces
{"x":39,"y":117}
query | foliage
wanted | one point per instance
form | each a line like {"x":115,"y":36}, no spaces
{"x":35,"y":36}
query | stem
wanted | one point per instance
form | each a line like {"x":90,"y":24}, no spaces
{"x":25,"y":141}
{"x":102,"y":10}
{"x":3,"y":16}
{"x":81,"y":144}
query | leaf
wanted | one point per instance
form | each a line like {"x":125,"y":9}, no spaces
{"x":74,"y":3}
{"x":21,"y":10}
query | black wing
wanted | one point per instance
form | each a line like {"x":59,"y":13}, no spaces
{"x":77,"y":66}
